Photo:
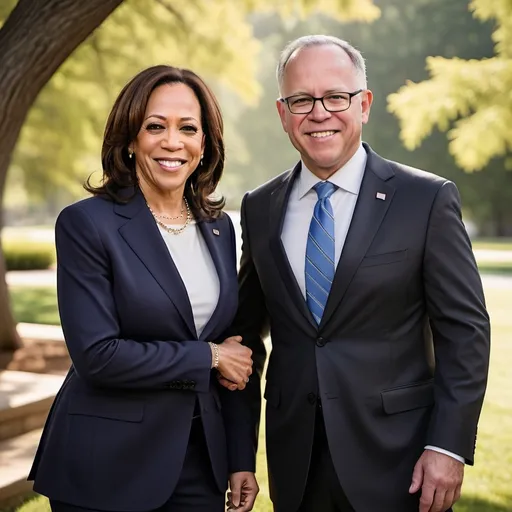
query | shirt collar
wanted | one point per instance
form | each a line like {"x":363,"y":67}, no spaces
{"x":348,"y":178}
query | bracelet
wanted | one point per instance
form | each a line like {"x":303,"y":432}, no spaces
{"x":215,"y":348}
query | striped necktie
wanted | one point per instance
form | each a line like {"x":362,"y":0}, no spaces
{"x":320,"y":265}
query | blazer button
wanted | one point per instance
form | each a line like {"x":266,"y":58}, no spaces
{"x":320,"y":342}
{"x":311,"y":398}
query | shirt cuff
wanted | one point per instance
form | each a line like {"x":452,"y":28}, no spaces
{"x":446,"y":452}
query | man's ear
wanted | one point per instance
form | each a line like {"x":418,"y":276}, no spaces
{"x":281,"y":109}
{"x":366,"y":105}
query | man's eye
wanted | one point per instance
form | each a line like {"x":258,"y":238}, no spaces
{"x":301,"y":101}
{"x":337,"y":97}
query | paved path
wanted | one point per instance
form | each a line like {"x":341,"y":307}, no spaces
{"x":493,"y":255}
{"x":497,"y":281}
{"x":32,"y":278}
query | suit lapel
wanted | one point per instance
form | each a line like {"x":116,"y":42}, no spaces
{"x":218,"y":241}
{"x":143,"y":236}
{"x":368,"y":215}
{"x":278,"y":202}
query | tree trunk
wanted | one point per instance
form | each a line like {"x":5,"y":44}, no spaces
{"x":35,"y":40}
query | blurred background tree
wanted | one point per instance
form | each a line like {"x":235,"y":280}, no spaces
{"x":469,"y":98}
{"x":34,"y":41}
{"x":395,"y":47}
{"x":60,"y":141}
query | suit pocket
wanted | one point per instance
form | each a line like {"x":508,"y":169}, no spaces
{"x":272,"y":395}
{"x":407,"y":398}
{"x":109,"y":407}
{"x":384,"y":258}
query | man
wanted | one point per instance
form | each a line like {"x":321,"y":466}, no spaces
{"x":363,"y":271}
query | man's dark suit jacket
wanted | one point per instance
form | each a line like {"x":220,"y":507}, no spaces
{"x":118,"y":430}
{"x":400,"y":358}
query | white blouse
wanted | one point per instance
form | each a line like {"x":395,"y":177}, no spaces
{"x":197,"y":270}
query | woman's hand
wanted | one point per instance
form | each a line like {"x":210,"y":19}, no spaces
{"x":235,"y":363}
{"x":243,"y":490}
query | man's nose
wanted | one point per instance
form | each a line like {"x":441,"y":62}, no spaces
{"x":319,"y":113}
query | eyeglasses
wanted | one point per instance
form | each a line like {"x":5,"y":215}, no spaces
{"x":332,"y":102}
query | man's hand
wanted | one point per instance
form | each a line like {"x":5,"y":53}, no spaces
{"x":235,"y":362}
{"x":243,"y":491}
{"x":227,"y":383}
{"x":440,"y":478}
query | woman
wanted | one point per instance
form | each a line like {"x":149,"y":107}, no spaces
{"x":146,"y":284}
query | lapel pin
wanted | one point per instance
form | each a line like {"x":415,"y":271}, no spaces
{"x":216,"y":232}
{"x":381,"y":196}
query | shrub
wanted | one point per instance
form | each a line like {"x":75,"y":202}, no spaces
{"x":24,"y":255}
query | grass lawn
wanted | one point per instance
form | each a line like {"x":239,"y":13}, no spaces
{"x":495,"y":244}
{"x":495,"y":267}
{"x":34,"y":305}
{"x":487,"y":486}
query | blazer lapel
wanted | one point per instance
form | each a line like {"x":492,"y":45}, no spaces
{"x":218,"y":242}
{"x":143,"y":236}
{"x":375,"y":196}
{"x":278,"y":201}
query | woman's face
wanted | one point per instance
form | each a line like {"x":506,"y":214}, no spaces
{"x":170,"y":142}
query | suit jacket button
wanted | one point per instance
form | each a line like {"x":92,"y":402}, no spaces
{"x":320,"y":342}
{"x":311,"y":398}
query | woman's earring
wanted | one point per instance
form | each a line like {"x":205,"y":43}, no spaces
{"x":130,"y":153}
{"x":201,"y":161}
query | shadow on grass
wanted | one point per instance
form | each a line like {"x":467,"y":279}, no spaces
{"x":16,"y":503}
{"x":35,"y":305}
{"x":477,"y":504}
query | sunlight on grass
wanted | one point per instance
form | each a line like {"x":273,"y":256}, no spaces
{"x":494,"y":244}
{"x":495,"y":267}
{"x":34,"y":305}
{"x":39,"y":504}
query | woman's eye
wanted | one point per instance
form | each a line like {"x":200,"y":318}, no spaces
{"x":190,"y":128}
{"x":154,"y":126}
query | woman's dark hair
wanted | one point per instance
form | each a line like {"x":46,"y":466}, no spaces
{"x":125,"y":121}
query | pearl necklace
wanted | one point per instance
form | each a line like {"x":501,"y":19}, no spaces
{"x":162,"y":216}
{"x":169,"y":229}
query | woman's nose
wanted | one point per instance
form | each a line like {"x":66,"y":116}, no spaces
{"x":172,"y":140}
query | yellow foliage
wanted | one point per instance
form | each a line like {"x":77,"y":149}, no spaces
{"x":340,"y":10}
{"x":501,"y":10}
{"x":469,"y":99}
{"x":61,"y":138}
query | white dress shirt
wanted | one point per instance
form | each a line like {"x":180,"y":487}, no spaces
{"x":302,"y":203}
{"x":197,"y":270}
{"x":299,"y":212}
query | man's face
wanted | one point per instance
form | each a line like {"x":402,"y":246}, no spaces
{"x":325,"y":140}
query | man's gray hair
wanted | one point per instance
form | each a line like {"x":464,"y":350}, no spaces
{"x":320,"y":40}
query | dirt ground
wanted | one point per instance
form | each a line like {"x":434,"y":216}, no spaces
{"x":37,"y":356}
